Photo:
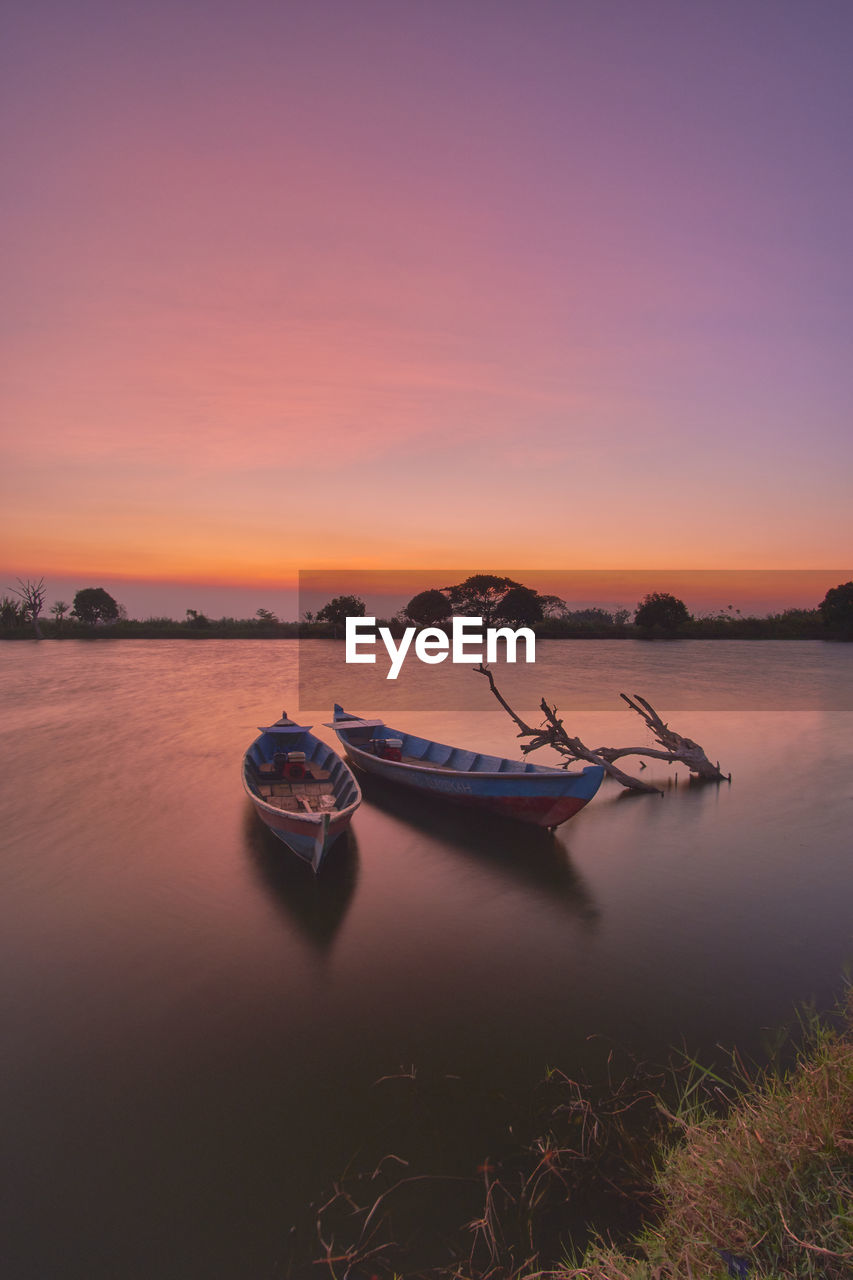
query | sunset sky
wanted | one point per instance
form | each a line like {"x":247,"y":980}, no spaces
{"x":566,"y":283}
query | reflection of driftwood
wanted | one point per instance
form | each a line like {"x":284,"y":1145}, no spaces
{"x":675,"y":749}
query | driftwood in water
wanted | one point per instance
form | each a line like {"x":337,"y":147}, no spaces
{"x":553,"y":733}
{"x":676,"y":750}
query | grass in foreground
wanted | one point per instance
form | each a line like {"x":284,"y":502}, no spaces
{"x":765,"y":1191}
{"x":752,"y":1180}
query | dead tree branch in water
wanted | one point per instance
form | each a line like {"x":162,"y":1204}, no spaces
{"x":553,"y":733}
{"x":676,"y":749}
{"x":32,"y":595}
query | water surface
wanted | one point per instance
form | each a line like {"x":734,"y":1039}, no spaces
{"x":193,"y":1026}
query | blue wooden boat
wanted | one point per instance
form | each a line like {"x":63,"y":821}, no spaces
{"x":300,"y":787}
{"x":538,"y":794}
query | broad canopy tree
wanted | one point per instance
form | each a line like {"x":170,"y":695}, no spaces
{"x":428,"y":609}
{"x":93,"y":605}
{"x":480,"y":596}
{"x":520,"y":606}
{"x":340,"y":608}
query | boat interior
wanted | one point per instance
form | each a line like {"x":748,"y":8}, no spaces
{"x":310,"y":791}
{"x":297,"y":781}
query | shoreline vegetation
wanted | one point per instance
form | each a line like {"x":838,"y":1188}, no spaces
{"x":687,"y":1172}
{"x":495,"y":600}
{"x":794,"y":624}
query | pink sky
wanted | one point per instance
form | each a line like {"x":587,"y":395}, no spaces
{"x":392,"y":284}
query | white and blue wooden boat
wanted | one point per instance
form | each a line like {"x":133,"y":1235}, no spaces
{"x":300,"y":787}
{"x":537,"y":794}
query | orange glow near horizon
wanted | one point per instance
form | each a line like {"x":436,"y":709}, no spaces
{"x":385,"y":590}
{"x":766,"y":584}
{"x":284,"y":292}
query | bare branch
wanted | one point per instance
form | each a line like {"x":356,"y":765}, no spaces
{"x":572,"y":747}
{"x":526,"y":731}
{"x":32,"y":594}
{"x":679,"y":748}
{"x":553,"y":733}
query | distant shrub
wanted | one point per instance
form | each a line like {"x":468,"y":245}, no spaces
{"x":660,"y":611}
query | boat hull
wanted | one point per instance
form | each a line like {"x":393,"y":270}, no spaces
{"x":299,"y":835}
{"x":323,"y":779}
{"x":536,"y":795}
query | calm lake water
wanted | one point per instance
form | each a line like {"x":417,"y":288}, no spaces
{"x":193,"y":1027}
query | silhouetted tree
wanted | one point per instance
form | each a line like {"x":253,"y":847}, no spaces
{"x":32,"y":595}
{"x":93,"y":605}
{"x":836,"y":609}
{"x":479,"y":596}
{"x":520,"y":606}
{"x":661,"y":611}
{"x":339,"y":609}
{"x":59,"y":609}
{"x":427,"y":609}
{"x":12,"y":613}
{"x":552,"y":606}
{"x":266,"y":618}
{"x":197,"y":620}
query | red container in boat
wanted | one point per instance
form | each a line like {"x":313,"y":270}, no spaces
{"x":295,"y":765}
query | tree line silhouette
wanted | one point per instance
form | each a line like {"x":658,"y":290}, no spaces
{"x":499,"y":601}
{"x":503,"y":601}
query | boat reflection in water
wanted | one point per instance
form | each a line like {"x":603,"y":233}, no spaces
{"x":316,"y":903}
{"x":531,"y":857}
